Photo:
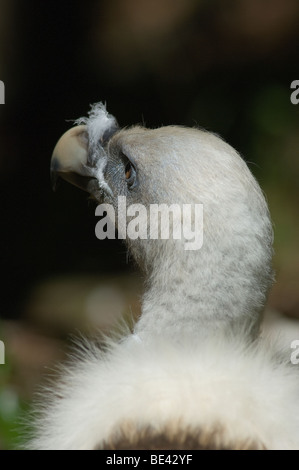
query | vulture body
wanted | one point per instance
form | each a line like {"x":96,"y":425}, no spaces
{"x":195,"y":373}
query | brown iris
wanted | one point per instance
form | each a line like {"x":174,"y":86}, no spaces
{"x":128,"y":170}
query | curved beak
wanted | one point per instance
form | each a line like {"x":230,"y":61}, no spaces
{"x":69,"y":160}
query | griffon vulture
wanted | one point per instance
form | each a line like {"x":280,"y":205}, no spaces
{"x":195,"y":372}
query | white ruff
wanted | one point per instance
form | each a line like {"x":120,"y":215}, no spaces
{"x":243,"y":390}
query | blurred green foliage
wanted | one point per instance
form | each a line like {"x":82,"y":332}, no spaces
{"x":13,"y":409}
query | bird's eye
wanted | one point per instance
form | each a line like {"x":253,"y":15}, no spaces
{"x":128,"y":171}
{"x":130,"y":175}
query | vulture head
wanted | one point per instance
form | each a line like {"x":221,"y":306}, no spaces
{"x":220,"y":281}
{"x":194,"y":374}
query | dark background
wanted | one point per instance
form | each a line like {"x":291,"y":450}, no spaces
{"x":223,"y":65}
{"x":219,"y":64}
